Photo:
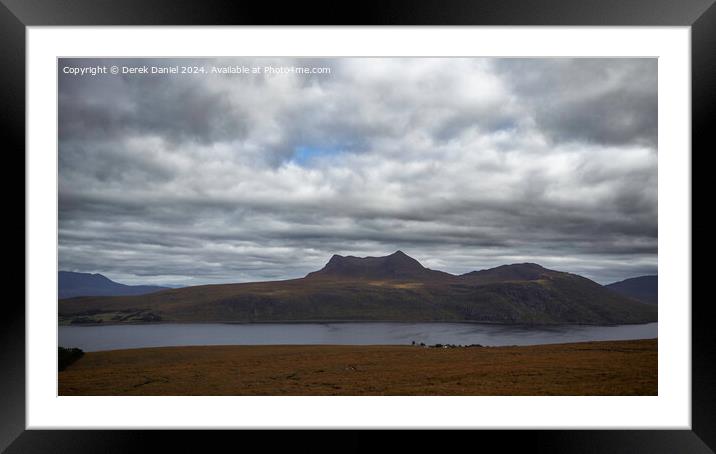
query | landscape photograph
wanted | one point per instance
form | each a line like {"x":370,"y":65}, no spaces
{"x":323,"y":226}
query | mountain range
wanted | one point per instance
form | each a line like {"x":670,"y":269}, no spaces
{"x":71,"y":284}
{"x":643,"y":288}
{"x":391,"y":288}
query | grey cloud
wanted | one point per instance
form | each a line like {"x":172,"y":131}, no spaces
{"x":597,"y":100}
{"x":172,"y":107}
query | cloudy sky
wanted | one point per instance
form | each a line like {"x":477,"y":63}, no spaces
{"x":463,"y":164}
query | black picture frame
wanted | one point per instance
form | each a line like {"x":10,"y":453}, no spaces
{"x":16,"y":15}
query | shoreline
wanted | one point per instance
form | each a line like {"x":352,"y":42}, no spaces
{"x":418,"y":346}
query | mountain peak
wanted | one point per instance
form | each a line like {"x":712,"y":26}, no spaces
{"x":397,"y":265}
{"x":528,"y":265}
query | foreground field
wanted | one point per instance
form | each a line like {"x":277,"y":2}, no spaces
{"x":590,"y":368}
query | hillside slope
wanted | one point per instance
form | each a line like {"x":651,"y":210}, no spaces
{"x":394,"y":288}
{"x":643,"y":288}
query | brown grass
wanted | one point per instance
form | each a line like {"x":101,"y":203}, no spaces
{"x":591,"y":368}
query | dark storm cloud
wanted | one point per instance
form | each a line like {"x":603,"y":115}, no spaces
{"x":462,"y":163}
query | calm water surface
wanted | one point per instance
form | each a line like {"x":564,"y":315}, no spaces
{"x":112,"y":337}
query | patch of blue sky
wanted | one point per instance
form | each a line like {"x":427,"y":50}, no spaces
{"x":306,"y":155}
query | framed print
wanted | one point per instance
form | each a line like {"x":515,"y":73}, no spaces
{"x":383,"y":220}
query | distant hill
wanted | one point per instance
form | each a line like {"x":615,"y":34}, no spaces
{"x":643,"y":288}
{"x":391,"y":288}
{"x":510,"y":273}
{"x":71,"y":284}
